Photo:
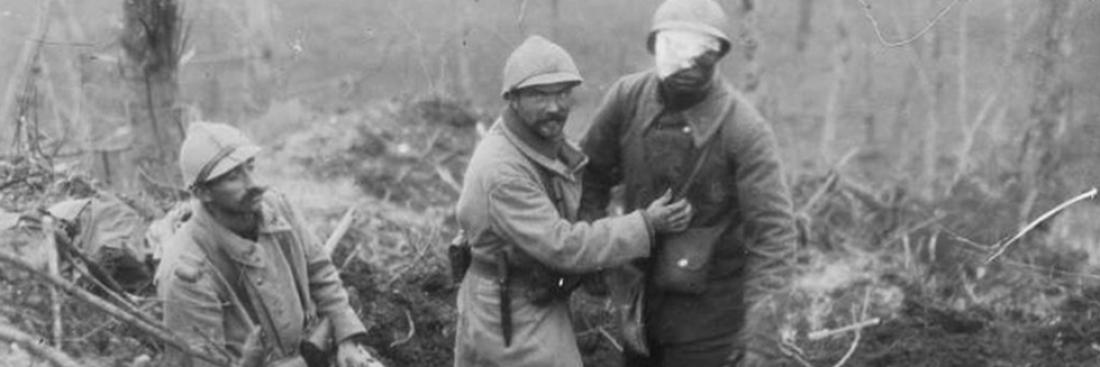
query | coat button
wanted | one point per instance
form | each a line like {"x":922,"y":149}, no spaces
{"x":687,"y":129}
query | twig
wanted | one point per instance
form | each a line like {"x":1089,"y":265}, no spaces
{"x":614,"y":344}
{"x":899,"y":235}
{"x":830,"y":179}
{"x":851,"y":350}
{"x":420,"y":252}
{"x":448,"y":178}
{"x":522,"y":14}
{"x":793,"y":352}
{"x":1004,"y":246}
{"x":419,"y":46}
{"x":927,"y":27}
{"x":108,"y":308}
{"x":52,"y":265}
{"x":412,"y":331}
{"x":341,"y":229}
{"x":10,"y":334}
{"x":859,"y":331}
{"x":821,"y":334}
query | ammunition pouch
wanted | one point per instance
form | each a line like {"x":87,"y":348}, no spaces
{"x":547,"y":285}
{"x":459,"y":255}
{"x":537,"y":283}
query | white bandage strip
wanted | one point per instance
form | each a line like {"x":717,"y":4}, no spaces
{"x":675,"y":49}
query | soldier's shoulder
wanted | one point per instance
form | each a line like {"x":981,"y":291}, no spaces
{"x":182,"y":260}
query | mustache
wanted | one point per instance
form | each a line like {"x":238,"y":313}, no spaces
{"x":254,"y":193}
{"x":555,"y":117}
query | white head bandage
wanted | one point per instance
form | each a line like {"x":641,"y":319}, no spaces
{"x":676,"y":49}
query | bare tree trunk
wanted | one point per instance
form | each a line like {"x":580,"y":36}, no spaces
{"x":151,"y":39}
{"x":1049,"y":110}
{"x":750,"y":35}
{"x":930,"y":153}
{"x":17,"y":79}
{"x":555,"y":20}
{"x":805,"y":24}
{"x":462,"y":50}
{"x":841,"y":53}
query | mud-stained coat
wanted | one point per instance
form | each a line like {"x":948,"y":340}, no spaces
{"x":195,"y":289}
{"x":741,"y":185}
{"x":504,"y":204}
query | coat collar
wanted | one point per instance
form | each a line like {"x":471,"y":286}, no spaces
{"x":236,"y":247}
{"x":704,"y":117}
{"x":569,"y":161}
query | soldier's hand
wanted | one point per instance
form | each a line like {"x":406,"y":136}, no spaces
{"x":351,"y":354}
{"x":669,"y":217}
{"x":252,"y":353}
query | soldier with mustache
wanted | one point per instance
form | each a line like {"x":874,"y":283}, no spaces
{"x":518,"y":209}
{"x":244,"y":280}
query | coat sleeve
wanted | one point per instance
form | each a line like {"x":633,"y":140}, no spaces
{"x":194,"y":311}
{"x":770,"y":234}
{"x":601,"y":145}
{"x":325,"y":286}
{"x":521,"y":211}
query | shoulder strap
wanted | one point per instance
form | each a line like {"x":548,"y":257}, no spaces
{"x":698,"y":167}
{"x":301,"y":280}
{"x":701,"y":158}
{"x":234,"y":297}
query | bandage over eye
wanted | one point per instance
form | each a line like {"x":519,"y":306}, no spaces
{"x":676,"y":50}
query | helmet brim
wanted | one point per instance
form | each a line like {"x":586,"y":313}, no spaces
{"x":231,"y":161}
{"x":546,"y":79}
{"x":688,"y":26}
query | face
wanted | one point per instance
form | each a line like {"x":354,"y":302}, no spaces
{"x":694,"y":78}
{"x":234,"y":192}
{"x":544,"y":108}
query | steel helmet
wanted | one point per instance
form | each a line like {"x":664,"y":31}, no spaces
{"x":212,"y":149}
{"x":703,"y":16}
{"x":537,"y":62}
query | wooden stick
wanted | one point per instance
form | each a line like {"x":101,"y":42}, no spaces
{"x":341,"y":229}
{"x":108,"y":308}
{"x":821,"y":334}
{"x":1087,"y":195}
{"x":55,"y":356}
{"x":52,"y":266}
{"x":412,"y":331}
{"x":609,"y":338}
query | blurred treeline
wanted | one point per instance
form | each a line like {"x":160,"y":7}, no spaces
{"x":981,"y":86}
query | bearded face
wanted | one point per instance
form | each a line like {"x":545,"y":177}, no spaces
{"x":544,"y":108}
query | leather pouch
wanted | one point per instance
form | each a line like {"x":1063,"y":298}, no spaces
{"x":460,"y":257}
{"x":684,"y":259}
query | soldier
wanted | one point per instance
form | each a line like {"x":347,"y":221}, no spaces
{"x":244,"y":278}
{"x":518,"y":208}
{"x":682,"y":126}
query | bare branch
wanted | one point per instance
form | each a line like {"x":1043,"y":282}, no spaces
{"x":822,"y":334}
{"x":607,"y":335}
{"x":106,"y":307}
{"x":1087,"y":195}
{"x":10,"y":334}
{"x":927,"y":27}
{"x":412,"y":331}
{"x":341,"y":229}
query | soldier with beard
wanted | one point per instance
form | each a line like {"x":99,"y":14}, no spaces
{"x":244,"y":279}
{"x":518,"y":209}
